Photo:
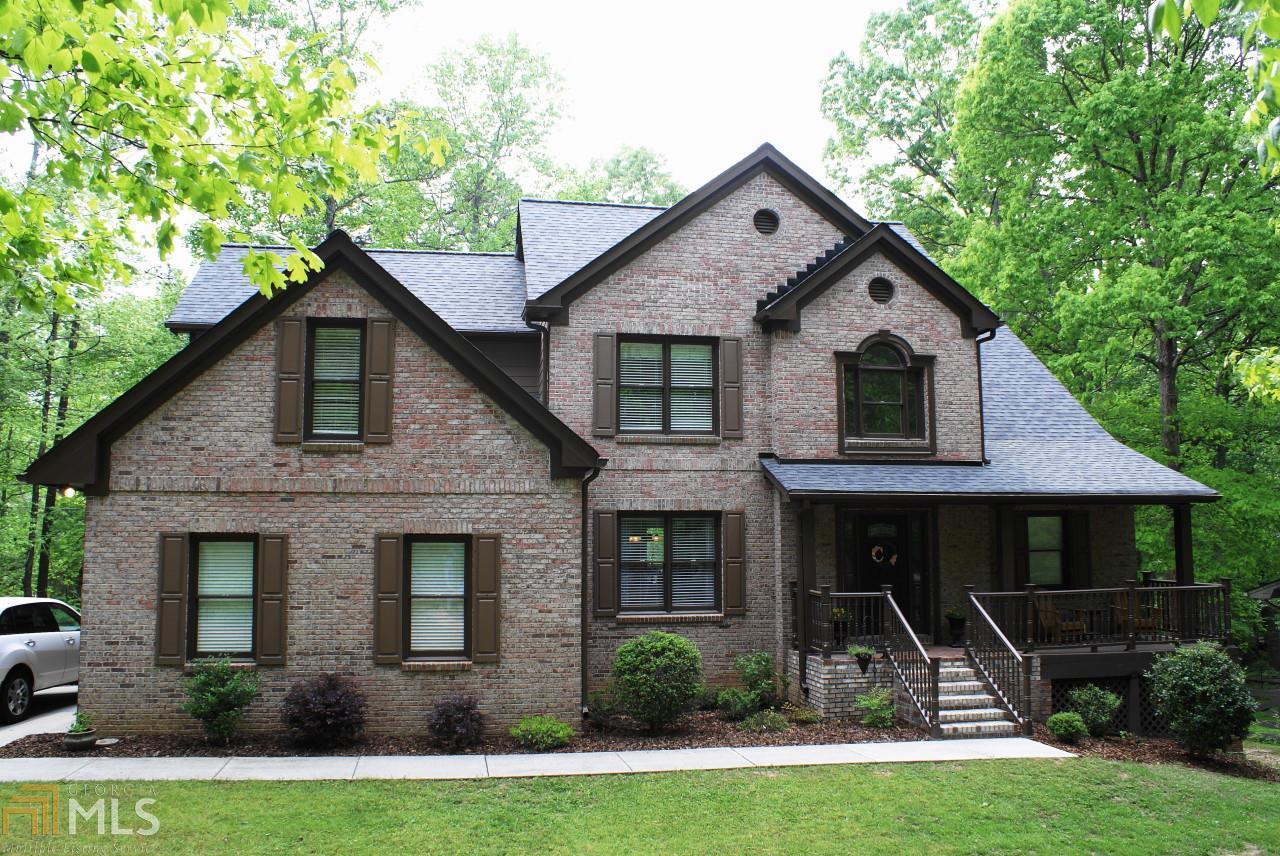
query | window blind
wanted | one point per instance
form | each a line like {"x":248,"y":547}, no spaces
{"x":640,"y":386}
{"x":643,"y":553}
{"x":693,"y":563}
{"x":335,"y":380}
{"x":224,"y":601}
{"x":437,"y":591}
{"x":691,"y":388}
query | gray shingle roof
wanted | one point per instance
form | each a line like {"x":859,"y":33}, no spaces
{"x":558,"y":238}
{"x":1040,"y":441}
{"x":473,"y":292}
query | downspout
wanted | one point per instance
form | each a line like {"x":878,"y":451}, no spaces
{"x":586,"y":600}
{"x":982,"y":422}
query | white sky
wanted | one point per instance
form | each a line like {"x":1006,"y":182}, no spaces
{"x":701,"y":83}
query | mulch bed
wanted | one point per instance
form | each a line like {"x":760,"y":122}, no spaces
{"x":1157,"y":750}
{"x":703,"y":729}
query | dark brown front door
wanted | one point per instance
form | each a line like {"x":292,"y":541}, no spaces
{"x":886,"y":549}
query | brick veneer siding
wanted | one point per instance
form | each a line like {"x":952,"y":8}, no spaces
{"x":803,"y":380}
{"x":702,"y":280}
{"x":458,"y":464}
{"x":834,"y":685}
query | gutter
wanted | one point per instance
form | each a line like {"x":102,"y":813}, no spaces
{"x":586,"y":602}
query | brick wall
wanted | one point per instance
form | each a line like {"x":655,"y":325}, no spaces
{"x":458,"y":464}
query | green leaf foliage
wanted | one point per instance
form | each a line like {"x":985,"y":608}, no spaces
{"x":1201,"y":693}
{"x":657,"y":678}
{"x":217,"y":695}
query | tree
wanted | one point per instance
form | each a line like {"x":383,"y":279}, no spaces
{"x":633,"y":176}
{"x":893,"y":109}
{"x":143,"y":110}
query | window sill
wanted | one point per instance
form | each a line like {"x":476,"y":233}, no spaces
{"x":333,"y":447}
{"x":189,"y":668}
{"x":856,"y":446}
{"x":669,"y":439}
{"x":669,"y":618}
{"x":435,"y":666}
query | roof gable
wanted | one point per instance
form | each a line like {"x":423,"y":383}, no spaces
{"x":549,"y":304}
{"x":82,"y":459}
{"x":782,"y":307}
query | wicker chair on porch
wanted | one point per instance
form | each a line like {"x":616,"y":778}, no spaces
{"x":1056,"y":627}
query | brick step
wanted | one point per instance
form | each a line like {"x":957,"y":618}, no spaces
{"x":982,"y":728}
{"x":972,"y":714}
{"x":957,"y":675}
{"x":961,"y":687}
{"x":963,"y":701}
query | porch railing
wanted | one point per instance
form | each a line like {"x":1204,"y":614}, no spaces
{"x":912,"y":664}
{"x":998,"y":661}
{"x":1155,"y":611}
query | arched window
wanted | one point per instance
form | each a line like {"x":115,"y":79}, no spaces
{"x":883,"y":395}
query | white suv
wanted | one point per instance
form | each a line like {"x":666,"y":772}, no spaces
{"x":39,"y":648}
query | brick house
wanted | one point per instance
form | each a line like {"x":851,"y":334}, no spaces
{"x":754,"y":418}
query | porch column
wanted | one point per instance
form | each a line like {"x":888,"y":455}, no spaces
{"x":1184,"y":568}
{"x":808,"y":576}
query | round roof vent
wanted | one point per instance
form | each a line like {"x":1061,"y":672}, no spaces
{"x":766,"y":221}
{"x":881,"y":290}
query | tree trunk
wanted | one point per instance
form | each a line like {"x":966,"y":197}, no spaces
{"x":1167,"y":372}
{"x":50,"y":492}
{"x":33,"y":511}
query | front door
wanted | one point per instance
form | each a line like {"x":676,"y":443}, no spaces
{"x":887,"y":549}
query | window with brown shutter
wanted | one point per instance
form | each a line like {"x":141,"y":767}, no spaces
{"x":666,"y":385}
{"x":335,"y":388}
{"x":436,"y":590}
{"x":222,"y":599}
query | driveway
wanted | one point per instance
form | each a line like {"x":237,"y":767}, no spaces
{"x":51,"y":712}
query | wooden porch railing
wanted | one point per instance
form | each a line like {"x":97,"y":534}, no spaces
{"x":1154,"y":611}
{"x":998,"y":661}
{"x":836,"y":620}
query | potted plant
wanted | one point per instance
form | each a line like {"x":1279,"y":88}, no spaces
{"x":955,"y":623}
{"x":81,"y":734}
{"x":839,"y":623}
{"x":863,"y":655}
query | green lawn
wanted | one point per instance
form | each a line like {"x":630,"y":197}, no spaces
{"x":1047,"y":807}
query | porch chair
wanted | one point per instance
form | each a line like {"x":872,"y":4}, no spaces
{"x":1055,"y":627}
{"x":1146,"y":619}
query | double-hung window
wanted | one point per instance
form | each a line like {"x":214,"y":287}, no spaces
{"x":1046,"y":549}
{"x":436,"y":623}
{"x":335,"y":380}
{"x":222,"y":612}
{"x":666,"y":386}
{"x":669,"y":562}
{"x":883,"y":396}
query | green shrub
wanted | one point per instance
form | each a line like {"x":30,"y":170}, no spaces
{"x":657,"y":678}
{"x":737,"y":704}
{"x":1096,"y":707}
{"x":542,"y":733}
{"x":1200,"y":691}
{"x":601,"y":708}
{"x":709,"y":698}
{"x":759,"y":675}
{"x":1067,"y":726}
{"x":455,"y":723}
{"x":877,"y":708}
{"x":802,"y":715}
{"x":856,"y":651}
{"x":763,"y":721}
{"x":217,"y":695}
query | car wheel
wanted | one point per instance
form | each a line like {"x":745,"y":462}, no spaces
{"x":15,"y":697}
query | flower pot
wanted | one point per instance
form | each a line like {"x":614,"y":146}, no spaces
{"x":80,"y":740}
{"x":956,"y":626}
{"x":864,"y":661}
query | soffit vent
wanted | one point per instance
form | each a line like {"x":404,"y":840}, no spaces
{"x":766,"y":221}
{"x":881,"y":290}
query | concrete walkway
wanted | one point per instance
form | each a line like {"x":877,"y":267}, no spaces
{"x":508,"y":766}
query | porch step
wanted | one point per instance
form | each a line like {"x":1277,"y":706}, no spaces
{"x":961,"y":687}
{"x":965,"y":701}
{"x":956,"y":673}
{"x":982,"y":728}
{"x":973,"y":714}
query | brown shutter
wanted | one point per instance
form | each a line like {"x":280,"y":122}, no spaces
{"x":378,"y":361}
{"x":271,"y":600}
{"x":171,"y":602}
{"x":735,"y":562}
{"x":486,"y":610}
{"x":731,"y":388}
{"x":605,"y":418}
{"x":290,"y":337}
{"x":388,"y":612}
{"x":606,"y":581}
{"x":1079,"y":571}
